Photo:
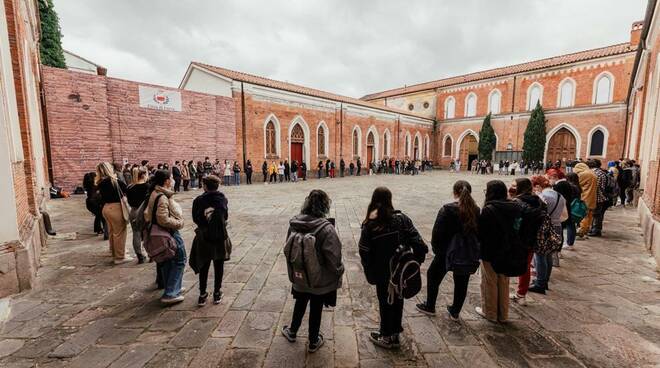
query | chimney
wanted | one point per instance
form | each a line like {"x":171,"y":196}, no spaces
{"x":636,"y":32}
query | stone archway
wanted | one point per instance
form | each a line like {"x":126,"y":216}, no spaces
{"x":562,"y":146}
{"x":468,"y":151}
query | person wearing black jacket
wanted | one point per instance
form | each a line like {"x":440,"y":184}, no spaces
{"x":383,"y":230}
{"x":501,"y":250}
{"x":460,"y":216}
{"x":287,"y":171}
{"x":94,"y":204}
{"x":342,"y":167}
{"x":533,"y":209}
{"x":112,"y":190}
{"x":264,"y":170}
{"x":303,"y":170}
{"x":294,"y":171}
{"x":205,"y":251}
{"x":176,"y":174}
{"x":359,"y":167}
{"x":248,"y":172}
{"x":569,"y":192}
{"x":136,"y":194}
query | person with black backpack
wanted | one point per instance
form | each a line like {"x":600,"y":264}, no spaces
{"x":456,"y":248}
{"x":210,"y":214}
{"x":314,"y":264}
{"x":503,"y":254}
{"x":137,"y":193}
{"x":391,"y":252}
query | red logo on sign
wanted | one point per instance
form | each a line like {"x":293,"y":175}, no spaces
{"x":161,"y":99}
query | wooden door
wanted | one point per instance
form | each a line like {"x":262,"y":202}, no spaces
{"x":297,"y":155}
{"x":370,"y":154}
{"x":562,"y":146}
{"x":469,"y":147}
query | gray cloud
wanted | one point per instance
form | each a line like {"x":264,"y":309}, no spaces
{"x":343,"y":46}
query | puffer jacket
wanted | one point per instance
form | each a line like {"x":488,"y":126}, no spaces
{"x":328,"y":247}
{"x":168,"y":212}
{"x":588,"y":184}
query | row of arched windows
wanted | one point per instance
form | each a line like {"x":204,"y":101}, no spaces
{"x":603,"y":89}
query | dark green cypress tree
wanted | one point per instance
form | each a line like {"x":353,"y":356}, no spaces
{"x":534,"y":143}
{"x":487,"y":140}
{"x":51,"y":36}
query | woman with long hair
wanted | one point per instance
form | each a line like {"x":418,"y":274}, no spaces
{"x":136,"y":194}
{"x":112,"y":191}
{"x":383,"y":230}
{"x":500,"y":249}
{"x":169,"y":216}
{"x":319,"y":285}
{"x":458,"y":217}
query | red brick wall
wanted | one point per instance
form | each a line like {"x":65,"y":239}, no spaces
{"x":107,"y":124}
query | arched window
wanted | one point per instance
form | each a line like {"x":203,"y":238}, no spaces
{"x":603,"y":89}
{"x":386,"y":143}
{"x":534,"y":96}
{"x":471,"y":105}
{"x":427,"y":147}
{"x":417,"y":150}
{"x":271,"y":146}
{"x":356,"y":142}
{"x":407,"y":146}
{"x":447,"y":147}
{"x":597,"y":143}
{"x":450,"y":107}
{"x":321,"y":136}
{"x":494,"y":101}
{"x":566,"y":93}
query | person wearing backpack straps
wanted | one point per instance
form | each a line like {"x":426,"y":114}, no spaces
{"x":606,"y":191}
{"x":111,"y":191}
{"x":314,"y":265}
{"x":136,"y":194}
{"x":562,"y":186}
{"x":533,"y":210}
{"x":502,"y":251}
{"x":556,"y":210}
{"x":210,"y":214}
{"x":168,"y":215}
{"x":455,"y":225}
{"x":384,"y":231}
{"x":589,"y":188}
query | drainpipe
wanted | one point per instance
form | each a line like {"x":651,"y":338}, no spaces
{"x":341,"y":131}
{"x":44,"y":120}
{"x":243,"y":137}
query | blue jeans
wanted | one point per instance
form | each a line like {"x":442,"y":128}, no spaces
{"x":570,"y":233}
{"x":172,"y":269}
{"x":543,"y":266}
{"x":237,"y":179}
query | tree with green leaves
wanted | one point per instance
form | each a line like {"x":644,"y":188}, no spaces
{"x":487,"y":140}
{"x":534,"y":139}
{"x":51,"y":50}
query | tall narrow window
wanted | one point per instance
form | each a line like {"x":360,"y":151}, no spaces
{"x":471,"y":105}
{"x":597,"y":143}
{"x":407,"y":152}
{"x":450,"y":107}
{"x":355,"y":143}
{"x":534,"y":96}
{"x":603,"y":90}
{"x":494,"y":102}
{"x":566,"y":93}
{"x":386,"y":143}
{"x":320,"y":139}
{"x":447,"y":148}
{"x":270,"y":139}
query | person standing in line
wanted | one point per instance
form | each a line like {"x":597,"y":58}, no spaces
{"x":294,"y":171}
{"x":533,"y":210}
{"x":567,"y":190}
{"x":603,"y":202}
{"x":200,"y":174}
{"x":94,"y":204}
{"x":210,"y":214}
{"x":351,"y":168}
{"x":237,"y":173}
{"x":359,"y":166}
{"x":624,"y":181}
{"x":168,"y":215}
{"x":320,"y":169}
{"x":228,"y":173}
{"x":332,"y":169}
{"x":264,"y":170}
{"x":287,"y":171}
{"x":589,"y":188}
{"x":556,"y":209}
{"x":185,"y":175}
{"x":248,"y":172}
{"x":176,"y":173}
{"x":342,"y":167}
{"x":327,"y":273}
{"x":327,"y":168}
{"x":136,"y":194}
{"x":303,"y":170}
{"x":499,"y":241}
{"x":571,"y":230}
{"x":207,"y":168}
{"x":280,"y":171}
{"x":383,"y":230}
{"x":455,"y":218}
{"x":272,"y":171}
{"x":112,"y":191}
{"x":192,"y":171}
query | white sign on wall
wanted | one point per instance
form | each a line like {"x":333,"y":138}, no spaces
{"x":160,"y":99}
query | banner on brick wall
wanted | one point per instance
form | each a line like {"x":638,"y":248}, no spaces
{"x":160,"y":99}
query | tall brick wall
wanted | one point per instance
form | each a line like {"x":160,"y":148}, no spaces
{"x":95,"y":118}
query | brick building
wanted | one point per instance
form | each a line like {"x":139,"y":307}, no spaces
{"x":24,"y":180}
{"x":642,"y":141}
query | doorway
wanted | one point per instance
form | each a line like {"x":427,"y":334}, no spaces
{"x":370,"y":147}
{"x":562,"y":146}
{"x":469,"y":151}
{"x":297,"y":146}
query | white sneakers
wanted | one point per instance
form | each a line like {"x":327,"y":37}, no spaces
{"x":174,"y":300}
{"x":123,"y":260}
{"x":518,"y":299}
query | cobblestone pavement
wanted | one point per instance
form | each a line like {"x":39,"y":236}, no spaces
{"x":603,"y":309}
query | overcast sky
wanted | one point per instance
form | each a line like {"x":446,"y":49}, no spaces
{"x":350,"y":47}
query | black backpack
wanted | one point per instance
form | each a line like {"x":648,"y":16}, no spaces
{"x":511,"y":261}
{"x":463,"y":254}
{"x":405,"y":274}
{"x":611,"y":187}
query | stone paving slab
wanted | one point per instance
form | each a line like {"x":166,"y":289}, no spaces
{"x":603,"y":309}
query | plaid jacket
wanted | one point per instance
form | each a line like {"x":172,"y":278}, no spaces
{"x":602,"y":181}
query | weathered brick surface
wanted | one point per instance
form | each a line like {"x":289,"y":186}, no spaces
{"x":106,"y":123}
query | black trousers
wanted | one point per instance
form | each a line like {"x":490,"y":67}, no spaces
{"x":315,"y":312}
{"x":177,"y":183}
{"x":599,"y":215}
{"x":622,"y":193}
{"x":434,"y":276}
{"x":199,"y":181}
{"x":248,"y":177}
{"x":185,"y":184}
{"x":218,"y":270}
{"x":390,"y":315}
{"x":265,"y":174}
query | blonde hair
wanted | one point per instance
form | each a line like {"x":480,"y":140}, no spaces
{"x":139,"y":172}
{"x":104,"y":170}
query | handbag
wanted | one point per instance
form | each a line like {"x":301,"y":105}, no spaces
{"x":125,"y":207}
{"x":548,"y":240}
{"x":158,"y":242}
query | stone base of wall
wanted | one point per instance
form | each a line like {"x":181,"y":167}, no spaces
{"x":19,"y":260}
{"x":651,"y":231}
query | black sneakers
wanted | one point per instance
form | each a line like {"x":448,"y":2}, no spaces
{"x":386,"y":342}
{"x":290,"y":335}
{"x":217,"y":297}
{"x":453,"y":316}
{"x":313,"y":347}
{"x":422,"y":307}
{"x":537,"y":289}
{"x":202,"y":299}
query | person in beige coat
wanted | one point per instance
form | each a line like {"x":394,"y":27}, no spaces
{"x":589,"y":186}
{"x":185,"y":175}
{"x":169,"y":216}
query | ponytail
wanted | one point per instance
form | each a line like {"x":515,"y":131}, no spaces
{"x":468,"y":211}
